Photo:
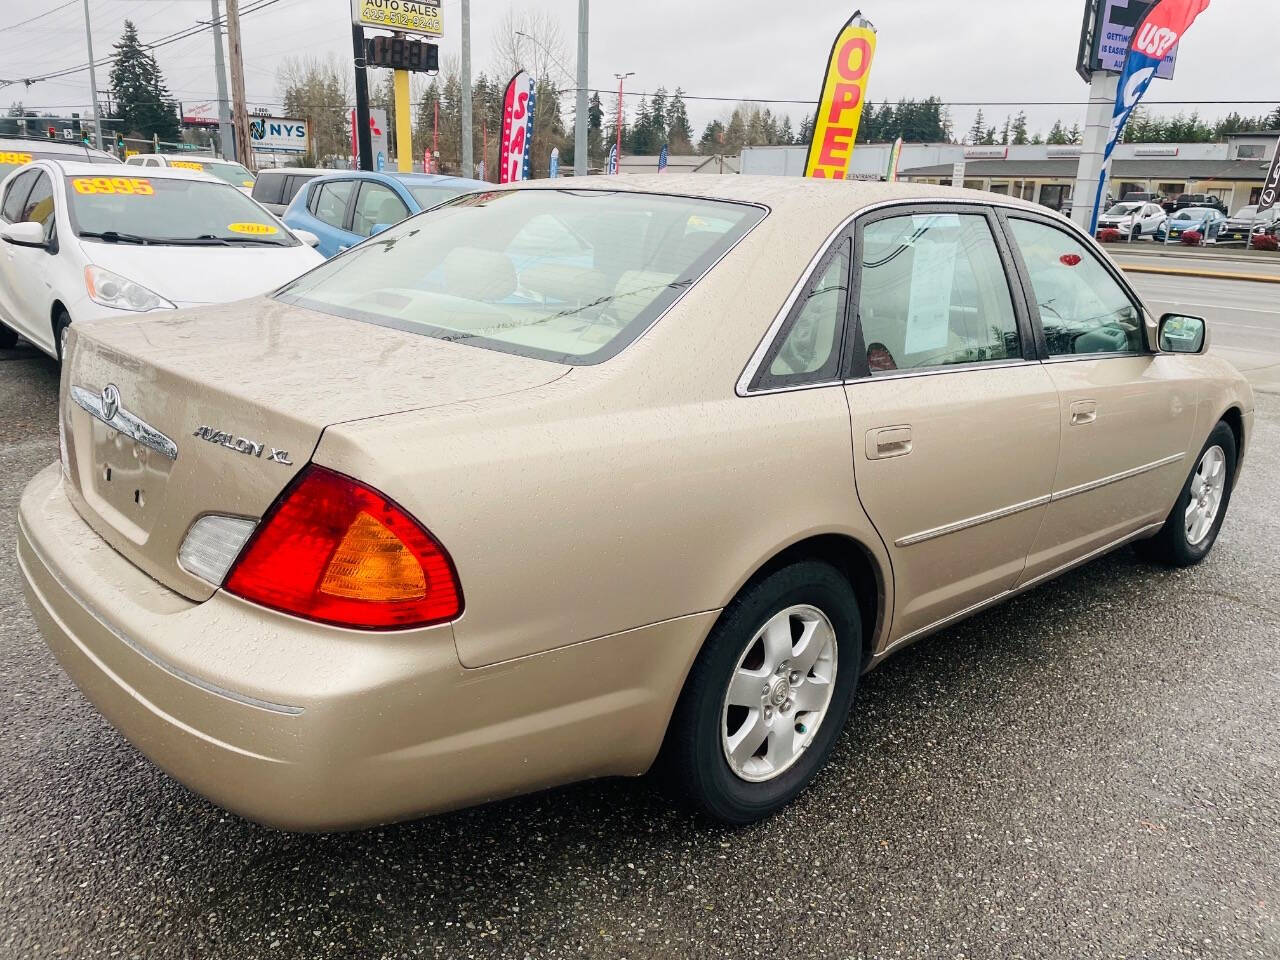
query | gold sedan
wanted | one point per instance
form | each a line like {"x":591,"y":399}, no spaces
{"x":563,"y":481}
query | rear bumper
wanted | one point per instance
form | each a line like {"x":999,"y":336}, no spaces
{"x":306,"y":727}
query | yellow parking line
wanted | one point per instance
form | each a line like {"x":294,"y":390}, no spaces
{"x":1205,"y":274}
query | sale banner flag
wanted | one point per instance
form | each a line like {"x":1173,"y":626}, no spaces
{"x":844,"y":90}
{"x":1159,"y":32}
{"x":517,"y":129}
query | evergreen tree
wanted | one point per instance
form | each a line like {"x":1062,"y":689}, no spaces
{"x":1019,"y":129}
{"x":735,"y":134}
{"x":658,"y":118}
{"x":978,"y":130}
{"x":804,"y":136}
{"x":640,"y":138}
{"x":143,"y":104}
{"x":712,"y":140}
{"x":595,"y":129}
{"x":785,"y":136}
{"x":1057,"y":135}
{"x":1074,"y":135}
{"x":1004,"y":132}
{"x":679,"y":133}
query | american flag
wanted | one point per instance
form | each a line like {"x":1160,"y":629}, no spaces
{"x":613,"y":160}
{"x":662,"y":159}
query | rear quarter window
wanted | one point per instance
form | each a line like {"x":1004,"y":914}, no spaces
{"x":269,"y":188}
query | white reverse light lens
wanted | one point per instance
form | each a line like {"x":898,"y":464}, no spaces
{"x":212,"y":545}
{"x":111,"y":290}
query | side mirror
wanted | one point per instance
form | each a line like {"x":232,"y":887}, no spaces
{"x":379,"y":227}
{"x":307,"y":237}
{"x":24,"y":235}
{"x":1181,"y":334}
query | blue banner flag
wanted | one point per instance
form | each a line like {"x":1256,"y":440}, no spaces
{"x":555,"y":163}
{"x":662,"y":159}
{"x":613,"y":160}
{"x":1156,"y":35}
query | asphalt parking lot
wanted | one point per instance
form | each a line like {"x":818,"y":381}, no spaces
{"x":1092,"y":770}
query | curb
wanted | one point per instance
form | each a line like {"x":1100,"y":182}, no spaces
{"x":1204,"y":274}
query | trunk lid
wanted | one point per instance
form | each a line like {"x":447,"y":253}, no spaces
{"x":239,"y":396}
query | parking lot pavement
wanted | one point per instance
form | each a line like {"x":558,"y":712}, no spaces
{"x":1092,"y":770}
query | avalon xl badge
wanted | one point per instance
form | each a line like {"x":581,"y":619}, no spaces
{"x":250,"y":448}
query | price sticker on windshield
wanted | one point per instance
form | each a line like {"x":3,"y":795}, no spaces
{"x":252,"y":229}
{"x":113,"y":186}
{"x":19,"y":159}
{"x":186,"y":164}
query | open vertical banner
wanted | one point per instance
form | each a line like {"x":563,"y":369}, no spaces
{"x":517,"y":129}
{"x":844,"y":90}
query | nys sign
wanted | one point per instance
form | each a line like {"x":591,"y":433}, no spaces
{"x":278,"y":135}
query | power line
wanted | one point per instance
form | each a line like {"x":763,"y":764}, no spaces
{"x":941,"y":103}
{"x":38,"y":16}
{"x":165,"y":41}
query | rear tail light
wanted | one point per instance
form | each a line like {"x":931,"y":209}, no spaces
{"x":334,"y":550}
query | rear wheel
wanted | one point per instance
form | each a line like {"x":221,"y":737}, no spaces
{"x":768,"y":695}
{"x":1192,"y":528}
{"x":8,"y":339}
{"x":1135,"y":234}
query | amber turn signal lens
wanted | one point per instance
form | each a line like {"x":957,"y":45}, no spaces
{"x":334,"y":550}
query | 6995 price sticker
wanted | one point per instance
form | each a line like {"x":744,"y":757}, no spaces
{"x":113,"y":186}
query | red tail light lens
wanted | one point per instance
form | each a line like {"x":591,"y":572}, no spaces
{"x":333,"y":550}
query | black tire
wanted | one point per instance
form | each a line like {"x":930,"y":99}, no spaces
{"x":1135,"y":234}
{"x":1172,"y":546}
{"x":693,"y":762}
{"x":61,"y":321}
{"x":8,"y":339}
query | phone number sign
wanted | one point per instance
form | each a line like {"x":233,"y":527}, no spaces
{"x":407,"y":16}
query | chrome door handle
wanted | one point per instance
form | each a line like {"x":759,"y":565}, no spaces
{"x":885,"y":443}
{"x":1084,"y":412}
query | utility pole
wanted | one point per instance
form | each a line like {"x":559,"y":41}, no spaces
{"x":93,"y":76}
{"x":584,"y":111}
{"x":244,"y":144}
{"x":225,"y":138}
{"x":468,"y":148}
{"x":360,"y":120}
{"x":622,"y":78}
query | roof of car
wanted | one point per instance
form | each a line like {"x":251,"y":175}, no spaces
{"x":406,"y":178}
{"x":53,"y":146}
{"x":73,"y":168}
{"x":305,"y":171}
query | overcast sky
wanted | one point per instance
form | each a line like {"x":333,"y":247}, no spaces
{"x":1022,"y":49}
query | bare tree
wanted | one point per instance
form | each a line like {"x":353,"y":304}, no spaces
{"x":530,"y":40}
{"x":319,"y":89}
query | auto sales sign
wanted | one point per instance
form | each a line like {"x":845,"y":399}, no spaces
{"x":405,"y":16}
{"x":844,"y":90}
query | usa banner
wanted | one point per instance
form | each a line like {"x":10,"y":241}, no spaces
{"x":844,"y":88}
{"x":1156,"y":35}
{"x":613,"y":160}
{"x":517,"y":129}
{"x":663,"y":159}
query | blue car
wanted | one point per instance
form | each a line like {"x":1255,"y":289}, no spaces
{"x":344,"y":208}
{"x":1206,"y":221}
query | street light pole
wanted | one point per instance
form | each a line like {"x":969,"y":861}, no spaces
{"x":584,"y":111}
{"x":93,"y":76}
{"x":225,"y":140}
{"x":468,"y":148}
{"x":622,"y":78}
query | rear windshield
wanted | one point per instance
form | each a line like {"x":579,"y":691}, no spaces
{"x":429,"y":196}
{"x":566,"y":275}
{"x":12,"y":158}
{"x":224,"y":170}
{"x":141,"y":209}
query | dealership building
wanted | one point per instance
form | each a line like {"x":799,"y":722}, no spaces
{"x":1233,"y":171}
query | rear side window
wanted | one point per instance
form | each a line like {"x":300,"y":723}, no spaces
{"x":571,"y":276}
{"x":1083,"y":310}
{"x":933,"y":292}
{"x":329,"y":203}
{"x":15,"y":196}
{"x":807,"y":348}
{"x":269,"y":188}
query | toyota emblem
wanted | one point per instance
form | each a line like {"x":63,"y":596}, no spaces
{"x":110,"y":401}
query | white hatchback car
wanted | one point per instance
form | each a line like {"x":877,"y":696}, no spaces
{"x":227,"y":171}
{"x":77,"y":242}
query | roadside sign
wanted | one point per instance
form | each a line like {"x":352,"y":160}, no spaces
{"x":278,"y":134}
{"x":405,"y":16}
{"x":1116,"y":24}
{"x":1271,"y":186}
